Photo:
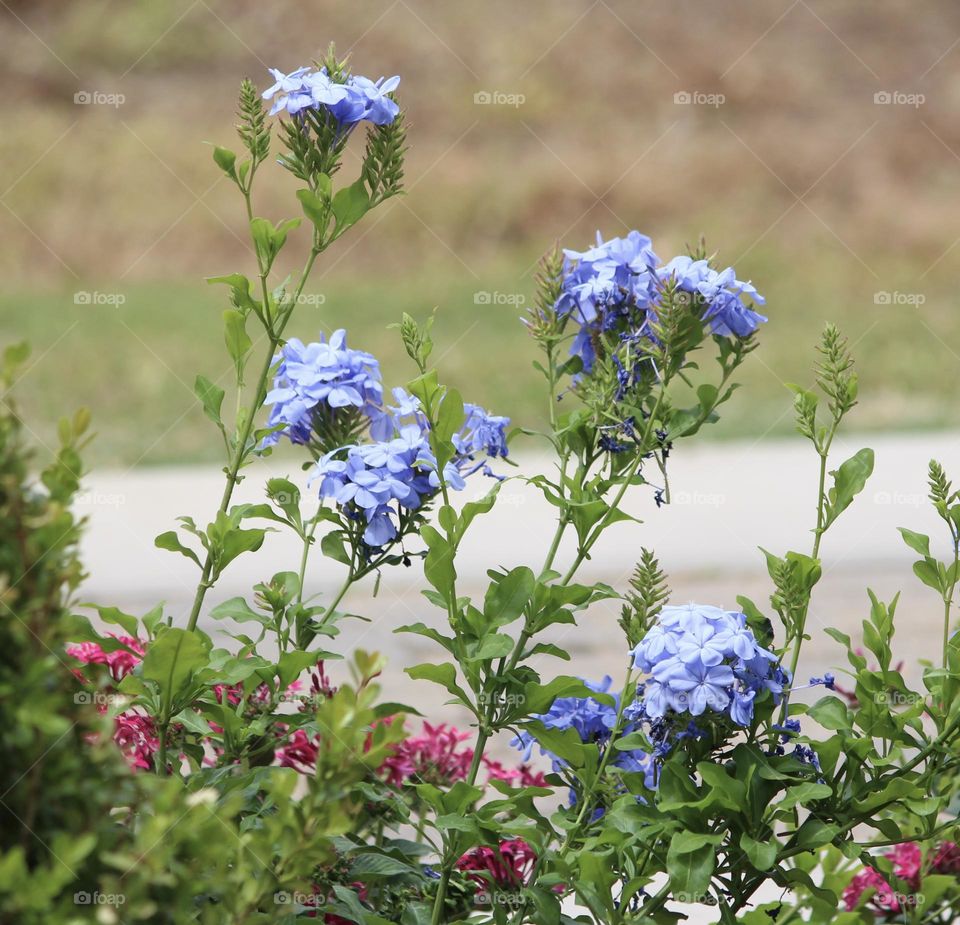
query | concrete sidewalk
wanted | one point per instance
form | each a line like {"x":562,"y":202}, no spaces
{"x":727,"y":499}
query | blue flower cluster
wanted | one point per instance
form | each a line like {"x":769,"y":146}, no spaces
{"x":319,"y":376}
{"x":356,"y":100}
{"x":703,"y":658}
{"x":482,"y":434}
{"x":617,"y":286}
{"x":594,"y":721}
{"x":368,"y":478}
{"x":397,"y":470}
{"x":378,"y":479}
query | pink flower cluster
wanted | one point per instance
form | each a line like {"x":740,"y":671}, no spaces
{"x":435,"y":757}
{"x":134,"y":732}
{"x":299,"y":752}
{"x":520,"y":776}
{"x":120,"y":662}
{"x":508,"y":865}
{"x":907,"y":860}
{"x":136,"y":736}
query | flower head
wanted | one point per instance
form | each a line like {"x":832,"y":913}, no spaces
{"x":119,"y":662}
{"x":435,"y":756}
{"x":702,"y":659}
{"x":508,"y":865}
{"x":594,"y":721}
{"x":906,"y":859}
{"x":136,"y":735}
{"x":616,"y":288}
{"x":356,"y":99}
{"x":482,"y":432}
{"x":321,"y":379}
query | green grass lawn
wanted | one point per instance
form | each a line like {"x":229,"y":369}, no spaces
{"x":134,"y":364}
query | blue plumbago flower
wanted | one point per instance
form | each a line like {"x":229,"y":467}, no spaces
{"x":482,"y":434}
{"x":322,"y":376}
{"x":723,"y":293}
{"x":357,"y":99}
{"x":703,"y":659}
{"x":617,"y":285}
{"x":608,"y":286}
{"x":397,"y":473}
{"x":379,"y":480}
{"x":593,"y":721}
{"x":291,"y":91}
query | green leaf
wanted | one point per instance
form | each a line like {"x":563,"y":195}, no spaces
{"x":802,"y":794}
{"x":240,"y":290}
{"x":315,"y":209}
{"x":444,"y":674}
{"x":226,"y":160}
{"x":350,"y":204}
{"x":172,"y":659}
{"x":762,"y":855}
{"x":831,"y":713}
{"x":236,"y":542}
{"x":211,"y":397}
{"x":235,"y":335}
{"x":117,"y":617}
{"x":496,"y":645}
{"x":565,"y":744}
{"x":916,"y":541}
{"x":268,"y":240}
{"x":690,"y":870}
{"x":848,"y":481}
{"x":371,"y":864}
{"x":286,"y":496}
{"x":438,"y":567}
{"x":450,"y":416}
{"x":928,"y":572}
{"x":508,"y":595}
{"x":239,"y":610}
{"x":421,"y":629}
{"x":171,"y":542}
{"x":332,"y":546}
{"x":292,"y":664}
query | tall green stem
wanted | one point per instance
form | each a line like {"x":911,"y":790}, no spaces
{"x":621,"y":491}
{"x":241,"y":449}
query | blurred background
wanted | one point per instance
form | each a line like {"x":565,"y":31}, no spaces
{"x":814,"y":144}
